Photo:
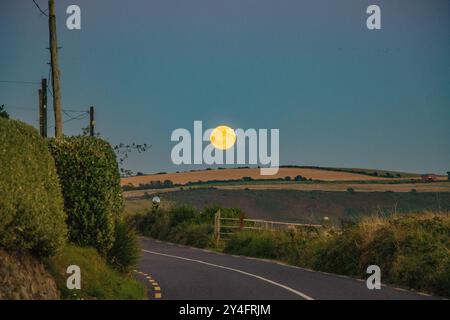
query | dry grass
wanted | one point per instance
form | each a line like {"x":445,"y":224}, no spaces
{"x":231,"y":174}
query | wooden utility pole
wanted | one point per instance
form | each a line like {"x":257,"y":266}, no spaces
{"x":55,"y":68}
{"x":43,"y":108}
{"x":91,"y":121}
{"x":41,"y":114}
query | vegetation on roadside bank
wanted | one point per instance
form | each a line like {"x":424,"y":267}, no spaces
{"x":412,"y":250}
{"x":183,"y":224}
{"x":32,"y":216}
{"x":99,"y":280}
{"x":60,"y":196}
{"x":90,"y":184}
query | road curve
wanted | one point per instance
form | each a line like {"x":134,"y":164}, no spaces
{"x":187,"y":273}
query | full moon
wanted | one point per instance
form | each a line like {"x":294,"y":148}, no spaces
{"x":223,"y":137}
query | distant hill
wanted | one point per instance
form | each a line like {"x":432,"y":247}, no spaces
{"x":314,"y":173}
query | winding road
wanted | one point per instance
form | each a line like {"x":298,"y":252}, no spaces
{"x":173,"y":271}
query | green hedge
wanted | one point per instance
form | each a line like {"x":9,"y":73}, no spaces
{"x":90,"y":181}
{"x":31,"y":206}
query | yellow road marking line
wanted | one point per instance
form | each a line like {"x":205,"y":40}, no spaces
{"x":155,"y":286}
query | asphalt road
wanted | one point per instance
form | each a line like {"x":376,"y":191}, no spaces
{"x":173,"y":271}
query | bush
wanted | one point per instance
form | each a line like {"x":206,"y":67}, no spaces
{"x":3,"y":113}
{"x":183,"y":224}
{"x":31,"y":205}
{"x":256,"y":244}
{"x":196,"y":235}
{"x":90,"y":181}
{"x":98,"y":280}
{"x":125,"y":251}
{"x":298,"y":248}
{"x":411,"y":250}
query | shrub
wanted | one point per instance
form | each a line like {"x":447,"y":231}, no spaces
{"x":90,"y":181}
{"x":181,"y":214}
{"x":31,"y":205}
{"x":3,"y":113}
{"x":125,"y":251}
{"x":197,"y":235}
{"x":411,"y":250}
{"x":256,"y":244}
{"x":293,"y":247}
{"x":182,"y":224}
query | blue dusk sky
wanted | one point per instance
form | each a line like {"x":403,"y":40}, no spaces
{"x":341,"y":95}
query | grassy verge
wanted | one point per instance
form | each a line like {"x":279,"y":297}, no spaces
{"x":98,"y":279}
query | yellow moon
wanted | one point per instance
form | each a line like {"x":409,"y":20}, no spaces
{"x":223,"y":137}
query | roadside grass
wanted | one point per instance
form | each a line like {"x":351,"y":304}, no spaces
{"x":98,"y":279}
{"x":412,"y":250}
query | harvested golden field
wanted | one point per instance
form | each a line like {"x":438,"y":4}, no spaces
{"x":254,"y":173}
{"x":358,"y":187}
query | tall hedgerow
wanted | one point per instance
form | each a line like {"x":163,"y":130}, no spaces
{"x":90,"y":181}
{"x":31,"y":205}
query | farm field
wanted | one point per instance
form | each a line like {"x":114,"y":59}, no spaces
{"x":254,"y":173}
{"x":330,"y":186}
{"x":359,"y":187}
{"x":300,"y":206}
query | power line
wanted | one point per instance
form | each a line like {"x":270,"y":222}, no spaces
{"x":34,"y":108}
{"x":39,"y":8}
{"x":74,"y":118}
{"x":84,"y":116}
{"x":19,"y":82}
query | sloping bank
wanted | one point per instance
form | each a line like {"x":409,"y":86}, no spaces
{"x":24,"y":277}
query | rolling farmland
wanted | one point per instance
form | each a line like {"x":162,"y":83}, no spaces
{"x":254,"y":173}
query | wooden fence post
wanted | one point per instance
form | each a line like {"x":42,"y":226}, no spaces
{"x":241,"y":221}
{"x":217,"y":227}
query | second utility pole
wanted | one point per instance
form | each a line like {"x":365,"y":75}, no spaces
{"x":55,"y":69}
